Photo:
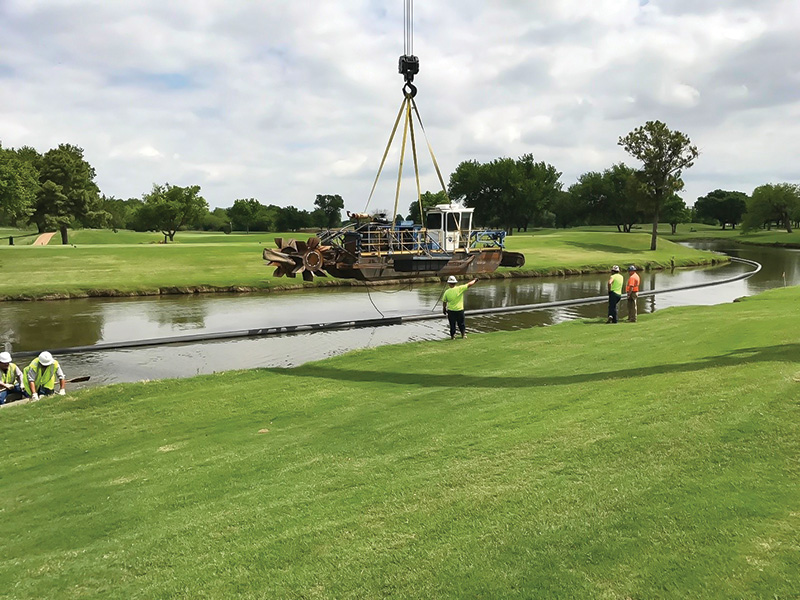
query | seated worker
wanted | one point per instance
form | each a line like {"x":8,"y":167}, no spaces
{"x":40,"y":377}
{"x":10,"y":377}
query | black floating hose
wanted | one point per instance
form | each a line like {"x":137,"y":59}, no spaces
{"x":363,"y":323}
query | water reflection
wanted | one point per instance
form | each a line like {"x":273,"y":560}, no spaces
{"x":32,"y":325}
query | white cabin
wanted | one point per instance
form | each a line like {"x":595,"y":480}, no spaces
{"x":449,"y":226}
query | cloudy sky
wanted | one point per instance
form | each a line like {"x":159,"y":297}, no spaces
{"x":285,"y":99}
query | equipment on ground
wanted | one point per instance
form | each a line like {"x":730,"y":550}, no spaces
{"x":376,"y":247}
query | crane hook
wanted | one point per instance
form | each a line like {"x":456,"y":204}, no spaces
{"x":409,"y":90}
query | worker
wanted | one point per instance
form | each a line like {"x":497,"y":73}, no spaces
{"x":453,"y":305}
{"x":633,"y":293}
{"x":10,"y":377}
{"x":614,"y":293}
{"x":40,"y":377}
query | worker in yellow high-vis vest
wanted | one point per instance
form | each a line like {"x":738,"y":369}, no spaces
{"x":453,"y":305}
{"x":614,"y":293}
{"x":40,"y":377}
{"x":10,"y":377}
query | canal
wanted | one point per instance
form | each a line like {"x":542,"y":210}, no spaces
{"x":36,"y":326}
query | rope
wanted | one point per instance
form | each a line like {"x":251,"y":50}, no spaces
{"x":402,"y":155}
{"x":385,"y":153}
{"x":430,"y":149}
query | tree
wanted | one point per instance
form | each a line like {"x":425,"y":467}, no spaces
{"x":612,"y":197}
{"x":568,"y":210}
{"x":664,"y":155}
{"x":675,"y":211}
{"x":169,"y":207}
{"x":722,"y":206}
{"x":539,"y":188}
{"x":243,"y":213}
{"x":68,"y":191}
{"x":429,"y":200}
{"x":772,"y":203}
{"x":267,"y":218}
{"x":506,"y":192}
{"x":292,"y":219}
{"x":332,"y":207}
{"x":19,"y":183}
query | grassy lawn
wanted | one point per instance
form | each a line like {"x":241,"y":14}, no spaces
{"x":584,"y":460}
{"x":694,"y":231}
{"x":101,"y":262}
{"x":22,"y":237}
{"x":591,"y":249}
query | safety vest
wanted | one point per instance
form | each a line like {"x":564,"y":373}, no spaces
{"x":454,"y":297}
{"x":616,"y":283}
{"x":633,"y":283}
{"x":10,"y":376}
{"x":45,"y":376}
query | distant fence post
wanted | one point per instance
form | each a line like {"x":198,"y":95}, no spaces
{"x":11,"y":240}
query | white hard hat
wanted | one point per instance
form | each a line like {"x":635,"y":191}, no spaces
{"x":5,"y":357}
{"x":615,"y":269}
{"x":452,"y":279}
{"x":46,"y":359}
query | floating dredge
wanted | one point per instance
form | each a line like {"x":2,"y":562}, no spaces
{"x":373,"y":248}
{"x":378,"y":250}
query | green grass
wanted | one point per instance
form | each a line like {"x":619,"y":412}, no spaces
{"x":101,"y":262}
{"x":22,"y":237}
{"x":775,"y":237}
{"x":124,"y":237}
{"x":584,"y":460}
{"x":593,"y":249}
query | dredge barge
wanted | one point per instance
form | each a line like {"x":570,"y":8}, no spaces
{"x":378,"y":250}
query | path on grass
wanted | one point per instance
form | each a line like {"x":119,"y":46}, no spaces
{"x":43,"y":239}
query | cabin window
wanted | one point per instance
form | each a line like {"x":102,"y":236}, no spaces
{"x":452,"y":222}
{"x":466,"y":220}
{"x":434,"y":221}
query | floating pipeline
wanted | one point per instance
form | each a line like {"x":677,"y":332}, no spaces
{"x":374,"y":322}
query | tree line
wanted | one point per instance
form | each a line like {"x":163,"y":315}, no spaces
{"x":56,"y":191}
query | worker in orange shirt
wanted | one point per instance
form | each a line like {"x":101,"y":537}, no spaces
{"x":633,"y":293}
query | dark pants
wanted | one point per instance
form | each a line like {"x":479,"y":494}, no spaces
{"x":456,"y":317}
{"x":613,"y":300}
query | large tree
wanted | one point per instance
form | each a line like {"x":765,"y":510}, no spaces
{"x":332,"y":206}
{"x":769,"y":203}
{"x":19,"y":183}
{"x":68,"y":191}
{"x":664,"y":155}
{"x":612,"y":197}
{"x":243,"y":213}
{"x":290,"y":218}
{"x":506,"y":192}
{"x":539,"y":188}
{"x":429,"y":200}
{"x":727,"y":208}
{"x":169,"y":207}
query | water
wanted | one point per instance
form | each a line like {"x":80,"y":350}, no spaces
{"x":36,"y":325}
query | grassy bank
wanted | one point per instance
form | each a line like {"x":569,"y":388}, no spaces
{"x":696,"y":231}
{"x":584,"y":460}
{"x":211,"y":261}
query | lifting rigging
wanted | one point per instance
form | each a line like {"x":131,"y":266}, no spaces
{"x":380,"y":249}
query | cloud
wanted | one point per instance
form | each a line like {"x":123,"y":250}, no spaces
{"x":284,"y":100}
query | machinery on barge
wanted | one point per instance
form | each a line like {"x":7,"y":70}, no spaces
{"x":378,"y":247}
{"x":379,"y":250}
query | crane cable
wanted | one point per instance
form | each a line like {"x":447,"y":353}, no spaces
{"x":406,"y":107}
{"x":408,"y":27}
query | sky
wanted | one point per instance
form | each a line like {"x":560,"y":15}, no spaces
{"x":283,"y":100}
